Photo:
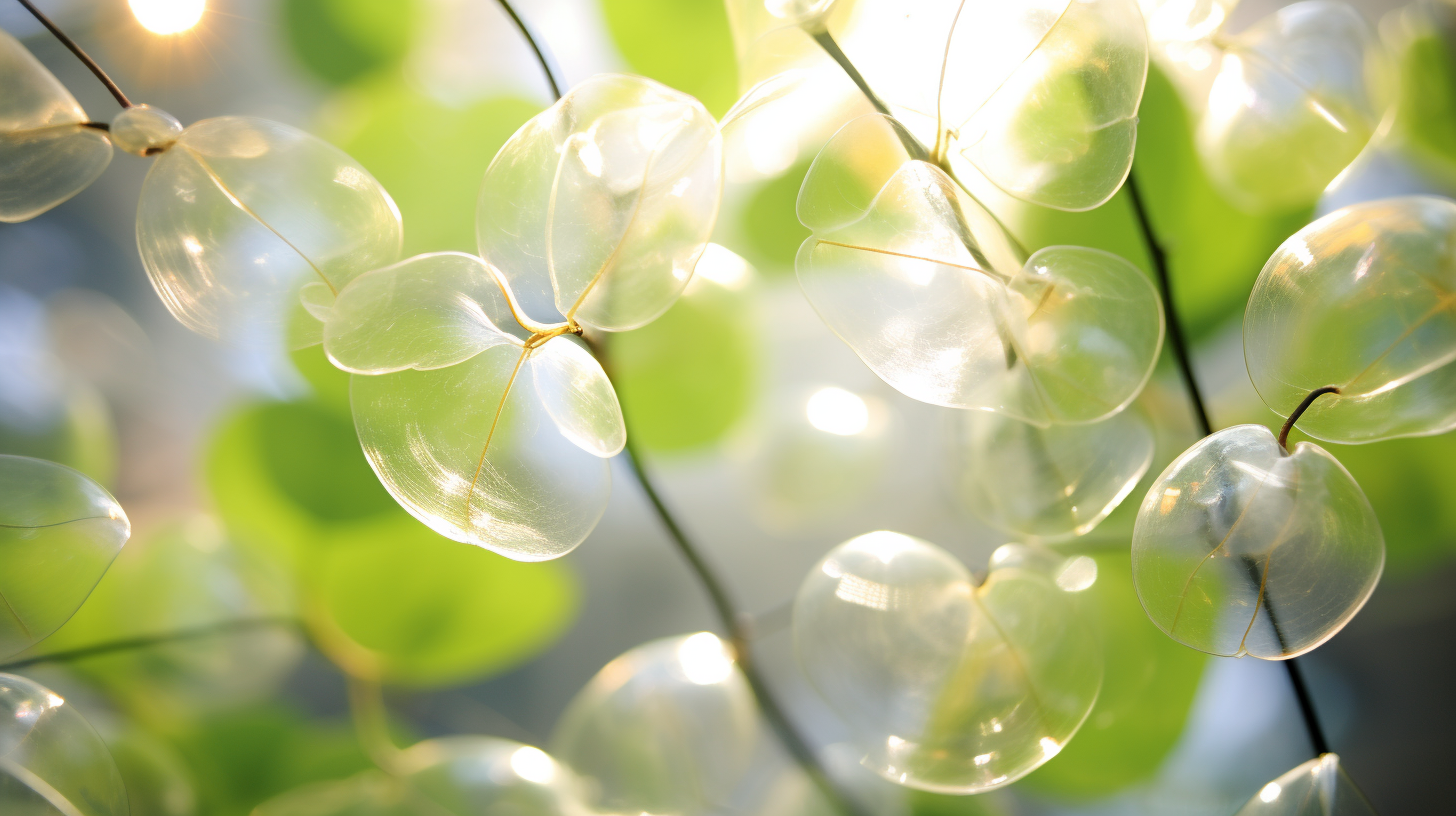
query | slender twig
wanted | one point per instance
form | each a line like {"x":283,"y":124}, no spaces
{"x":1296,"y":678}
{"x":1299,"y":412}
{"x":371,"y":724}
{"x":1176,"y":338}
{"x":738,"y":625}
{"x":80,"y":54}
{"x":541,"y":54}
{"x":149,"y":641}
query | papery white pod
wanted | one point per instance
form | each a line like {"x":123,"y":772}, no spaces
{"x":47,"y":154}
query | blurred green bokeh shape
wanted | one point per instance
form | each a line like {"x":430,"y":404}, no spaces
{"x":245,"y":755}
{"x":433,"y":612}
{"x":158,"y":782}
{"x":1148,"y":687}
{"x":686,"y":378}
{"x":1425,"y":102}
{"x":770,"y":226}
{"x":81,"y":435}
{"x":682,"y":43}
{"x":1215,"y":251}
{"x":329,"y":385}
{"x":340,"y":41}
{"x":430,"y":156}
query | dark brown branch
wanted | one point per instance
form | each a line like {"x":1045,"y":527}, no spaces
{"x":541,"y":54}
{"x":80,"y":54}
{"x":1299,"y":412}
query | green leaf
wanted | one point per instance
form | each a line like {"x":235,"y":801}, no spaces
{"x":1425,"y":112}
{"x":430,"y":156}
{"x":687,"y":377}
{"x":682,"y":43}
{"x":435,"y":612}
{"x":1215,"y":251}
{"x":1148,"y":687}
{"x":340,"y":41}
{"x":330,"y":384}
{"x":771,"y":229}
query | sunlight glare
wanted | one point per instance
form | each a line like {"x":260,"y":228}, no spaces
{"x":168,"y":16}
{"x":704,"y":659}
{"x":533,"y":765}
{"x":837,"y":411}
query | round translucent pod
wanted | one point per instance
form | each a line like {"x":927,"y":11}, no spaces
{"x":930,"y":291}
{"x":47,"y":153}
{"x":1361,"y":300}
{"x":599,"y":206}
{"x":479,"y":775}
{"x":668,"y":727}
{"x":52,"y":762}
{"x":1294,"y":101}
{"x":950,"y":687}
{"x":1040,"y":97}
{"x":59,"y":531}
{"x":1319,"y":787}
{"x":1050,"y":484}
{"x":239,"y":215}
{"x":371,"y":793}
{"x":1242,"y":547}
{"x":143,"y":130}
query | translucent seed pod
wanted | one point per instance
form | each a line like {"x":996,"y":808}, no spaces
{"x":1361,"y":300}
{"x":47,"y":154}
{"x":932,"y":294}
{"x":52,"y":762}
{"x":487,"y":775}
{"x":950,"y":687}
{"x":1052,"y":483}
{"x":1243,"y":548}
{"x":143,"y":130}
{"x":1294,"y":101}
{"x":1319,"y":787}
{"x":668,"y":727}
{"x":601,"y":204}
{"x":240,"y":214}
{"x":59,"y":531}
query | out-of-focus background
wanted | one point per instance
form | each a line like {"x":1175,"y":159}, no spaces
{"x":766,"y":435}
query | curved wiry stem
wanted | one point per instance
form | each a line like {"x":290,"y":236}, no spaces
{"x":80,"y":54}
{"x":151,"y":641}
{"x":542,"y":57}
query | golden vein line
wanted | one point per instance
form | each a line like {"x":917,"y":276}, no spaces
{"x":495,"y":421}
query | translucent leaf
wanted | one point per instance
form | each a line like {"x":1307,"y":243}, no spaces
{"x":668,"y":727}
{"x":1048,"y":483}
{"x":1319,"y":787}
{"x":1292,"y":105}
{"x":471,"y":451}
{"x":577,"y":394}
{"x":143,"y":130}
{"x":950,"y":687}
{"x":241,"y":213}
{"x":52,"y":763}
{"x":425,"y":312}
{"x":59,"y":531}
{"x":1243,"y":548}
{"x":1041,"y":97}
{"x":925,"y":286}
{"x":1363,"y":299}
{"x":609,"y":195}
{"x":464,"y":776}
{"x":45,"y":155}
{"x":370,"y":793}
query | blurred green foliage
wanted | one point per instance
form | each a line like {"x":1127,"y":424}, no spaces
{"x":687,"y":377}
{"x":340,"y":41}
{"x":83,"y":437}
{"x":1425,"y":112}
{"x":771,"y":229}
{"x":430,"y":156}
{"x":684,"y":44}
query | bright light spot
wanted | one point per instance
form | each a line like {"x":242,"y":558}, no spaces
{"x":54,"y":700}
{"x":884,"y":544}
{"x":168,"y":16}
{"x":996,"y":726}
{"x":723,"y":267}
{"x":837,"y":411}
{"x":1050,"y":747}
{"x":1077,"y":574}
{"x":704,"y":659}
{"x":590,"y":156}
{"x":1270,"y":792}
{"x":864,"y":592}
{"x":832,"y":569}
{"x":1301,"y":250}
{"x":533,"y":765}
{"x":1170,"y":500}
{"x":982,"y":759}
{"x":681,"y":186}
{"x":192,"y":245}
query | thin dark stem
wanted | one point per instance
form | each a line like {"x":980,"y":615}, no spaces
{"x":1296,"y":678}
{"x":831,"y":47}
{"x":1299,"y":412}
{"x":1176,"y":338}
{"x":149,"y":641}
{"x":81,"y":55}
{"x":541,"y":54}
{"x":738,"y":625}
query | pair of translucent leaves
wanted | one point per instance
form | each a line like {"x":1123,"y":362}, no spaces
{"x":951,"y":686}
{"x":598,"y":208}
{"x":1319,"y":787}
{"x":236,"y":215}
{"x":1039,"y":97}
{"x":1284,"y":105}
